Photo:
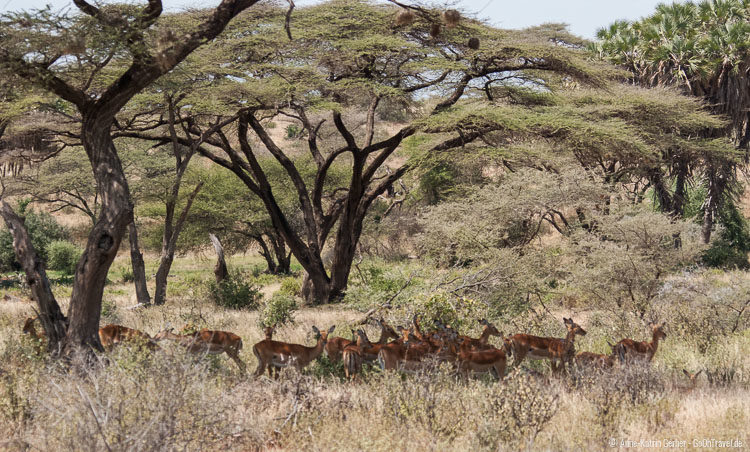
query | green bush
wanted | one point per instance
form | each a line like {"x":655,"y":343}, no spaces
{"x":63,"y":256}
{"x":43,"y":230}
{"x":290,"y":286}
{"x":279,"y":310}
{"x":730,"y":248}
{"x":236,"y":292}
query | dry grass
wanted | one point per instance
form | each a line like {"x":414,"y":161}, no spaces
{"x":171,"y":401}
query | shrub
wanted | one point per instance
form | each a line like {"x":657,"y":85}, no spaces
{"x":63,"y":256}
{"x":235,"y":292}
{"x":449,"y":309}
{"x":290,"y":286}
{"x":43,"y":230}
{"x":278,"y":310}
{"x":127,"y":275}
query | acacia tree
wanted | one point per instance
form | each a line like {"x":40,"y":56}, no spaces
{"x":337,"y":98}
{"x":225,"y":208}
{"x":95,"y":62}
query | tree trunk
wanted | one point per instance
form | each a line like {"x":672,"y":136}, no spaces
{"x":104,"y":240}
{"x":708,"y":219}
{"x":266,"y":253}
{"x":139,"y":267}
{"x":316,"y":289}
{"x":54,"y":322}
{"x":220,"y":270}
{"x":283,"y":258}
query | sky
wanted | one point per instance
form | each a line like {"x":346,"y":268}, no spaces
{"x":583,"y":16}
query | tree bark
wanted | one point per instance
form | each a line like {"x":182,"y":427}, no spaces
{"x":220,"y":270}
{"x":54,"y":322}
{"x":139,"y":267}
{"x":105,"y":238}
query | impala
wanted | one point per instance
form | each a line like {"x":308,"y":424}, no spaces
{"x":30,"y":329}
{"x":369,"y":350}
{"x":111,"y":335}
{"x":352,"y":355}
{"x":390,"y":355}
{"x":628,"y":349}
{"x":281,"y":354}
{"x":481,"y":361}
{"x":336,"y":345}
{"x":594,"y":360}
{"x":692,"y":381}
{"x":208,"y":341}
{"x":482,"y":343}
{"x":536,"y":347}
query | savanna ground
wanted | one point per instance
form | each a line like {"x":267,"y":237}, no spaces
{"x":170,"y":401}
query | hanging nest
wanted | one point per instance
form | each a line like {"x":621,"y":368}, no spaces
{"x":404,"y":17}
{"x":435,"y":30}
{"x":451,"y":17}
{"x":473,"y":43}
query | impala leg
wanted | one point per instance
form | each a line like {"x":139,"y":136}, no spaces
{"x":236,"y":358}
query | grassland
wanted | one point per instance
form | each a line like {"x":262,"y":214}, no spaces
{"x":170,"y":401}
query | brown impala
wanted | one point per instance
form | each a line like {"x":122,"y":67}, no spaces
{"x":274,"y":355}
{"x":336,"y":345}
{"x":208,"y":341}
{"x":554,"y":349}
{"x":628,"y":349}
{"x":352,"y":355}
{"x":370,"y":350}
{"x":491,"y":360}
{"x":594,"y":360}
{"x":112,"y":335}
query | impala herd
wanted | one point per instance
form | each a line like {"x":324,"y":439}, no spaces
{"x":405,"y":349}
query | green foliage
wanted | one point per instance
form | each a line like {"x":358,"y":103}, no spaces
{"x":292,"y":131}
{"x":291,"y":286}
{"x":236,"y":292}
{"x":436,"y":183}
{"x":730,"y":249}
{"x":457,"y":311}
{"x":127,"y":275}
{"x":63,"y":256}
{"x":279,"y":310}
{"x":43,"y":230}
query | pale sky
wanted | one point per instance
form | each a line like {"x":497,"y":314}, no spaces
{"x":583,"y":16}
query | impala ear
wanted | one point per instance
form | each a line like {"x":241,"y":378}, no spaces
{"x":315,"y":329}
{"x":697,"y":373}
{"x":483,"y":322}
{"x":330,"y":330}
{"x":686,"y":373}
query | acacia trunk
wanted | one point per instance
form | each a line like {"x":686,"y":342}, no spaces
{"x":139,"y":267}
{"x":103,"y":241}
{"x":52,"y":319}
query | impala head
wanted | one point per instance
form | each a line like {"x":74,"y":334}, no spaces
{"x":387,"y":329}
{"x":692,"y":377}
{"x":323,"y":335}
{"x":508,"y":346}
{"x":658,"y":330}
{"x":492,"y":329}
{"x":361,"y":336}
{"x":268,"y":332}
{"x":574,"y":327}
{"x":28,"y":325}
{"x":410,"y":339}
